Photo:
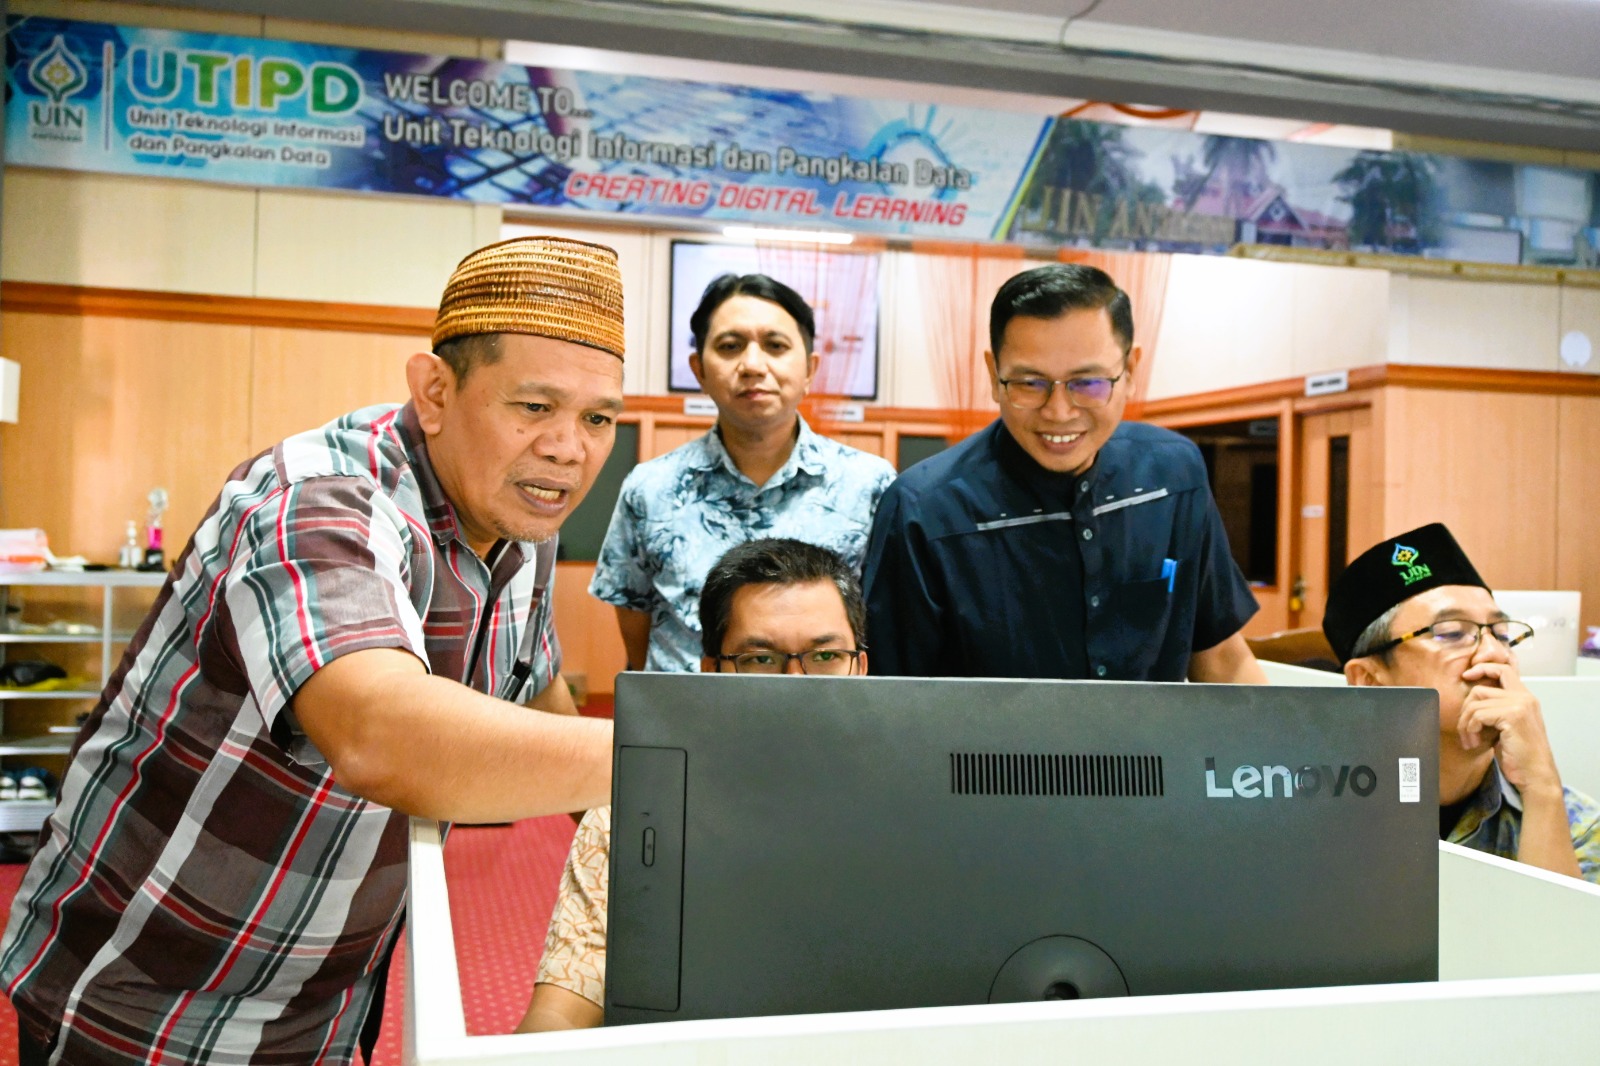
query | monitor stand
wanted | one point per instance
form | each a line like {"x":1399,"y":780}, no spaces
{"x":1057,"y":967}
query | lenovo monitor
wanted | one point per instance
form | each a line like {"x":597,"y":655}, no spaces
{"x":786,"y":845}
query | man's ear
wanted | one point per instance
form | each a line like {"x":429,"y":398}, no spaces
{"x":432,"y":382}
{"x":994,"y":375}
{"x":1135,"y":356}
{"x":697,"y":367}
{"x":1361,"y":672}
{"x":709,"y":665}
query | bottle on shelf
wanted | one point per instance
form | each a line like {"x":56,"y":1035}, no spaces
{"x":154,"y":557}
{"x":130,"y":556}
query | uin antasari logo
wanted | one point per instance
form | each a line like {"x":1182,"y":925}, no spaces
{"x":59,"y":75}
{"x":1406,"y":559}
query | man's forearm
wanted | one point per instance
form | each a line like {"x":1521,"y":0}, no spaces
{"x":1228,"y":663}
{"x":427,"y":746}
{"x":1546,"y":840}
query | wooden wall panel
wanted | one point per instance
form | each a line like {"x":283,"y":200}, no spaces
{"x":109,"y":409}
{"x":1484,"y":464}
{"x":591,"y":643}
{"x":301,"y":378}
{"x":1578,"y":483}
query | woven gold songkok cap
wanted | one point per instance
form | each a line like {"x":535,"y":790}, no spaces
{"x":546,"y":286}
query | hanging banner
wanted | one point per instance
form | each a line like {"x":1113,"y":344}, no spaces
{"x":158,"y":103}
{"x":1107,"y":186}
{"x":87,"y":96}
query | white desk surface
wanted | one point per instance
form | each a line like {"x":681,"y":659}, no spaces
{"x":1516,"y":946}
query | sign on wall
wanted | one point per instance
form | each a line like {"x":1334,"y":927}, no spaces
{"x":95,"y":97}
{"x":87,"y":96}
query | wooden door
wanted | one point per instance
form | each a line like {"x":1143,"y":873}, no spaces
{"x":1340,"y":501}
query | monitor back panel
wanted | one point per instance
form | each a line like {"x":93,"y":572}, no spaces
{"x":796,"y":845}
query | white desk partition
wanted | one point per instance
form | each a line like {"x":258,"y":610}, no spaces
{"x":1517,"y":948}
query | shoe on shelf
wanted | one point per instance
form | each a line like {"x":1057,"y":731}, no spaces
{"x":8,"y":786}
{"x":34,"y":784}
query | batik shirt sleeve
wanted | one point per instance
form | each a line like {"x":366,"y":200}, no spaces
{"x":1583,"y":818}
{"x":318,"y":569}
{"x":624,"y":575}
{"x":575,"y":946}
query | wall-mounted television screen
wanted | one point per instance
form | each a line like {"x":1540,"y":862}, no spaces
{"x":841,"y":287}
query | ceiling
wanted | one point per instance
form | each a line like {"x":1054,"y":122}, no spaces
{"x":1535,"y":37}
{"x":1509,"y":71}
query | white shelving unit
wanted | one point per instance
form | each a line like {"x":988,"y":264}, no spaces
{"x":22,"y":816}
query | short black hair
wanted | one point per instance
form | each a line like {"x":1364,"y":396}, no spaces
{"x":774,"y":561}
{"x":1055,"y":289}
{"x":461,"y":354}
{"x":727,"y":286}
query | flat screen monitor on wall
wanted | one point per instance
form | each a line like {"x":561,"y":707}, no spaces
{"x":841,"y":287}
{"x":797,"y":845}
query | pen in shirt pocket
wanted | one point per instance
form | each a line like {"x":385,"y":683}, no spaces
{"x":1169,"y":570}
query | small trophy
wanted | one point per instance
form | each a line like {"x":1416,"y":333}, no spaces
{"x":154,"y":557}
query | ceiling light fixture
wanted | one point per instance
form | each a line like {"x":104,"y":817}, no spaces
{"x":799,"y":236}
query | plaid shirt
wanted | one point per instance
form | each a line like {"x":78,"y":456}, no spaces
{"x":205,"y":891}
{"x":1492,"y":822}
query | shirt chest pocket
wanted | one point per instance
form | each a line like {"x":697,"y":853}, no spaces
{"x":1140,"y":613}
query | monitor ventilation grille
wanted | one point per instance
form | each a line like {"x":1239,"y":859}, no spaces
{"x":975,"y":773}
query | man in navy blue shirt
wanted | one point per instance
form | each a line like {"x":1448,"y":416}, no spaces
{"x":1058,"y":542}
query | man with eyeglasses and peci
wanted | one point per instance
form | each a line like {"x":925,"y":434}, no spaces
{"x":1060,"y":542}
{"x":1413,"y":611}
{"x":769,"y":606}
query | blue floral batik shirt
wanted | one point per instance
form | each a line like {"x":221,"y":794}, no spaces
{"x":679,"y":513}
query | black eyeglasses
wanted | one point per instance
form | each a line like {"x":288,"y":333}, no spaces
{"x":1031,"y":393}
{"x":1457,"y":635}
{"x":834,"y":661}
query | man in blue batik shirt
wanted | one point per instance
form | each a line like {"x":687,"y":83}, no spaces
{"x":759,"y":472}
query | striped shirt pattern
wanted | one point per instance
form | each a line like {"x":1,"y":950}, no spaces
{"x":205,"y":891}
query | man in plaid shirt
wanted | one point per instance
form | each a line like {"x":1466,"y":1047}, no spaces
{"x":346,"y":640}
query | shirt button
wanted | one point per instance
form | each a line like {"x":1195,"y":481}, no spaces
{"x":1100,"y":671}
{"x":1094,"y":601}
{"x":1088,"y":534}
{"x":1083,"y":486}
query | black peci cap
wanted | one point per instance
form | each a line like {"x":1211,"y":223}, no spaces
{"x":1387,"y":575}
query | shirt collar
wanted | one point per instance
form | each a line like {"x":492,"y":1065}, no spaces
{"x":436,"y":506}
{"x":806,"y":456}
{"x":1493,"y":793}
{"x":1049,"y":484}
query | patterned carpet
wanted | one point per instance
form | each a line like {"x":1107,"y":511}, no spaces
{"x":502,"y":888}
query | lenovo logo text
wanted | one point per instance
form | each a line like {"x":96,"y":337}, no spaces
{"x":1272,"y":782}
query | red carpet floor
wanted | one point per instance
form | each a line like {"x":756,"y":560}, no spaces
{"x":502,"y":888}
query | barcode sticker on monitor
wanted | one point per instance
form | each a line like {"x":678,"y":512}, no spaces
{"x":1410,"y":780}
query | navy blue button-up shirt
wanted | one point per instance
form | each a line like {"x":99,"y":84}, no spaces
{"x":984,"y":564}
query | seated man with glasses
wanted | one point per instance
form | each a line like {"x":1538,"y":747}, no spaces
{"x":1413,"y":611}
{"x":1060,"y":542}
{"x":770,"y":606}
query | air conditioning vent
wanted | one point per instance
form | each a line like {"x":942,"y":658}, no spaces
{"x":1006,"y":774}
